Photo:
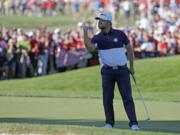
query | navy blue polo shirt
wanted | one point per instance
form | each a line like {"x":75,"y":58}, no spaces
{"x":111,"y":47}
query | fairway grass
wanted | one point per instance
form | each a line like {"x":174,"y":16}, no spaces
{"x":84,"y":116}
{"x":71,"y":130}
{"x":35,"y":22}
{"x":67,"y":21}
{"x":70,"y":103}
{"x":157,"y":78}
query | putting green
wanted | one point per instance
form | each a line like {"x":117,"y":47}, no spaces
{"x":86,"y":112}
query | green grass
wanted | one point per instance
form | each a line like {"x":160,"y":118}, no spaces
{"x":82,"y":116}
{"x":156,"y":78}
{"x":35,"y":22}
{"x":76,"y":108}
{"x":66,"y":21}
{"x":72,"y":130}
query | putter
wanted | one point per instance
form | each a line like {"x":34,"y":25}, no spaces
{"x":140,"y":95}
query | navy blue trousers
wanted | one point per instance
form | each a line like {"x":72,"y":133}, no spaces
{"x":122,"y":77}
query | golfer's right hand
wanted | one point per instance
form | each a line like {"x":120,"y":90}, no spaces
{"x":131,"y":70}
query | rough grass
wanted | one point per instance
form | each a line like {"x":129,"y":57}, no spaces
{"x":157,"y":78}
{"x":35,"y":22}
{"x":67,"y":21}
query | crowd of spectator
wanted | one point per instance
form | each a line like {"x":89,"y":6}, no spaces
{"x":27,"y":54}
{"x":47,"y":7}
{"x":39,"y":7}
{"x":157,"y":32}
{"x":54,"y":7}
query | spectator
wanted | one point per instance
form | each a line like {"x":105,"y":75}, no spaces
{"x":3,"y":65}
{"x":152,"y":36}
{"x":33,"y":54}
{"x":44,"y":7}
{"x":52,"y":46}
{"x":43,"y":55}
{"x":162,"y":46}
{"x":177,"y":49}
{"x":127,"y":9}
{"x":50,"y":7}
{"x":61,"y":6}
{"x":147,"y":47}
{"x":96,"y":6}
{"x":3,"y":60}
{"x":23,"y":60}
{"x":11,"y":58}
{"x":76,"y":6}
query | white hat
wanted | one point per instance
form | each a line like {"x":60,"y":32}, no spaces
{"x":172,"y":28}
{"x":57,"y":30}
{"x":104,"y":16}
{"x":80,"y":24}
{"x":30,"y":34}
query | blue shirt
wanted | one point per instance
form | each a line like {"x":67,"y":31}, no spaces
{"x":111,"y":47}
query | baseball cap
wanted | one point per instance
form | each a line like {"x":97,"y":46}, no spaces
{"x":57,"y":30}
{"x":104,"y":16}
{"x":30,"y":34}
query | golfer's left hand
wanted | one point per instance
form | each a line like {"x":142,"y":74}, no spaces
{"x":131,"y":70}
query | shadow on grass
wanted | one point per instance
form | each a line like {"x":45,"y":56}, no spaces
{"x":155,"y":126}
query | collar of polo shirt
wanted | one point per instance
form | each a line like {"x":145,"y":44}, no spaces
{"x":110,"y":32}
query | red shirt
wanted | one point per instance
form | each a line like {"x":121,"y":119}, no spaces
{"x":155,"y":42}
{"x":50,"y":4}
{"x":34,"y":45}
{"x":163,"y":48}
{"x":44,"y":5}
{"x":66,"y":46}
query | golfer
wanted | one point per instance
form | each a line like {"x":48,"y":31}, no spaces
{"x":111,"y":44}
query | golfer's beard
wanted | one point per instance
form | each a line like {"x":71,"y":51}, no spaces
{"x":102,"y":27}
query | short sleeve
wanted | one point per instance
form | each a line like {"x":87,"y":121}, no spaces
{"x":94,"y":41}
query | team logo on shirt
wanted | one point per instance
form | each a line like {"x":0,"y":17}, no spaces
{"x":115,"y":40}
{"x":96,"y":44}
